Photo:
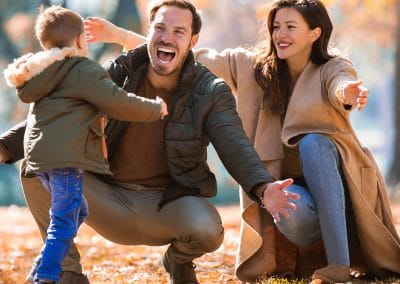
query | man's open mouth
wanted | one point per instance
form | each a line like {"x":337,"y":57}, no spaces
{"x":165,"y":54}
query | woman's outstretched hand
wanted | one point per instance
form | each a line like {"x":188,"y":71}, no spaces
{"x":354,"y":94}
{"x":277,"y":201}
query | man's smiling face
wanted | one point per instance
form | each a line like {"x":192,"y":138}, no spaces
{"x":170,"y":39}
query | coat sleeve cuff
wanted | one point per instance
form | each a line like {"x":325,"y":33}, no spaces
{"x":258,"y":191}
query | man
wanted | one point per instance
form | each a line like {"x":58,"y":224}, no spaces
{"x":156,"y":195}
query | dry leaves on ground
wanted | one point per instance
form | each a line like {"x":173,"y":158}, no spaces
{"x":106,"y":262}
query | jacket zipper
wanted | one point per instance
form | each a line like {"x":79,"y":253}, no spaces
{"x":103,"y":136}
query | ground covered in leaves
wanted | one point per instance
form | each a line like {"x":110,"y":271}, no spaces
{"x":106,"y":262}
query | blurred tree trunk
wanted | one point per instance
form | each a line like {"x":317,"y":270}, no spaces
{"x":126,"y":16}
{"x":393,"y":179}
{"x":45,"y":3}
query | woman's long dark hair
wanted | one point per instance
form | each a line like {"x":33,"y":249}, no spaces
{"x":271,"y":72}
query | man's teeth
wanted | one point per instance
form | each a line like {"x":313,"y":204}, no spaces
{"x":163,"y":49}
{"x":165,"y":54}
{"x":284,"y":44}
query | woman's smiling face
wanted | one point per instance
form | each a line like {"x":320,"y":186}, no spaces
{"x":291,"y":35}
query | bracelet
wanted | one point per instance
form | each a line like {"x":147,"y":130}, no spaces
{"x":261,"y":197}
{"x":340,"y":94}
{"x":262,"y":205}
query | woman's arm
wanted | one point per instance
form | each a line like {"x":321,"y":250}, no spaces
{"x":100,"y":30}
{"x":345,"y":90}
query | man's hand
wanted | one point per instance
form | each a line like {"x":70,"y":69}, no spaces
{"x":100,"y":30}
{"x":276,"y":199}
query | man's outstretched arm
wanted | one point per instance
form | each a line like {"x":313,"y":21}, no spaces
{"x":226,"y":133}
{"x":12,"y":144}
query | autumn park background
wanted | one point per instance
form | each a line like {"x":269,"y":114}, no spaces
{"x":368,"y":31}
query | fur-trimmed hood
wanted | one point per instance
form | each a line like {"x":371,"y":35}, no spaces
{"x":36,"y":75}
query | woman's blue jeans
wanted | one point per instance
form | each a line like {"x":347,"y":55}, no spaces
{"x":321,"y":208}
{"x":67,"y":212}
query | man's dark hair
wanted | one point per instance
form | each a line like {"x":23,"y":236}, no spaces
{"x":183,"y":4}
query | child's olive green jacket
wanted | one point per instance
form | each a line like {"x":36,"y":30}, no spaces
{"x":68,"y":96}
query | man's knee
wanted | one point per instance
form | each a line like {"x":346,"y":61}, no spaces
{"x":207,"y":233}
{"x":202,"y":227}
{"x":33,"y":184}
{"x":36,"y":195}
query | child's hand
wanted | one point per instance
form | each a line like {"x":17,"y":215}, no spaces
{"x":164,"y":107}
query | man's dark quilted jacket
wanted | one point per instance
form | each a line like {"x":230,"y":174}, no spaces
{"x":203,"y":110}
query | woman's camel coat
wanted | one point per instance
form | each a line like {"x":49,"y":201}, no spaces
{"x":313,"y":108}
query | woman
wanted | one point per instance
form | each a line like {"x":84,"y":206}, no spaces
{"x":294,"y":98}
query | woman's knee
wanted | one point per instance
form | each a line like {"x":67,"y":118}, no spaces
{"x":302,"y":227}
{"x":313,"y":142}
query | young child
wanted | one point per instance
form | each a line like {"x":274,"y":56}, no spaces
{"x":64,"y":135}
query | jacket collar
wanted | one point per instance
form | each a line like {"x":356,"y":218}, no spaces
{"x":30,"y":65}
{"x":37,"y":75}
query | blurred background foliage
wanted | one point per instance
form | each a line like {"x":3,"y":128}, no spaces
{"x":365,"y":30}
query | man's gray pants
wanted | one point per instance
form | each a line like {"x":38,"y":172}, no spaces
{"x":127,"y":214}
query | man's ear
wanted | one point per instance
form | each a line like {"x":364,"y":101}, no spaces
{"x":194,"y":40}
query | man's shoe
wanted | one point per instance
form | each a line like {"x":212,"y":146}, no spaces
{"x":180,"y":273}
{"x":70,"y":277}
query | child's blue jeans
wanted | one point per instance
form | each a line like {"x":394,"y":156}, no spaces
{"x":68,"y":210}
